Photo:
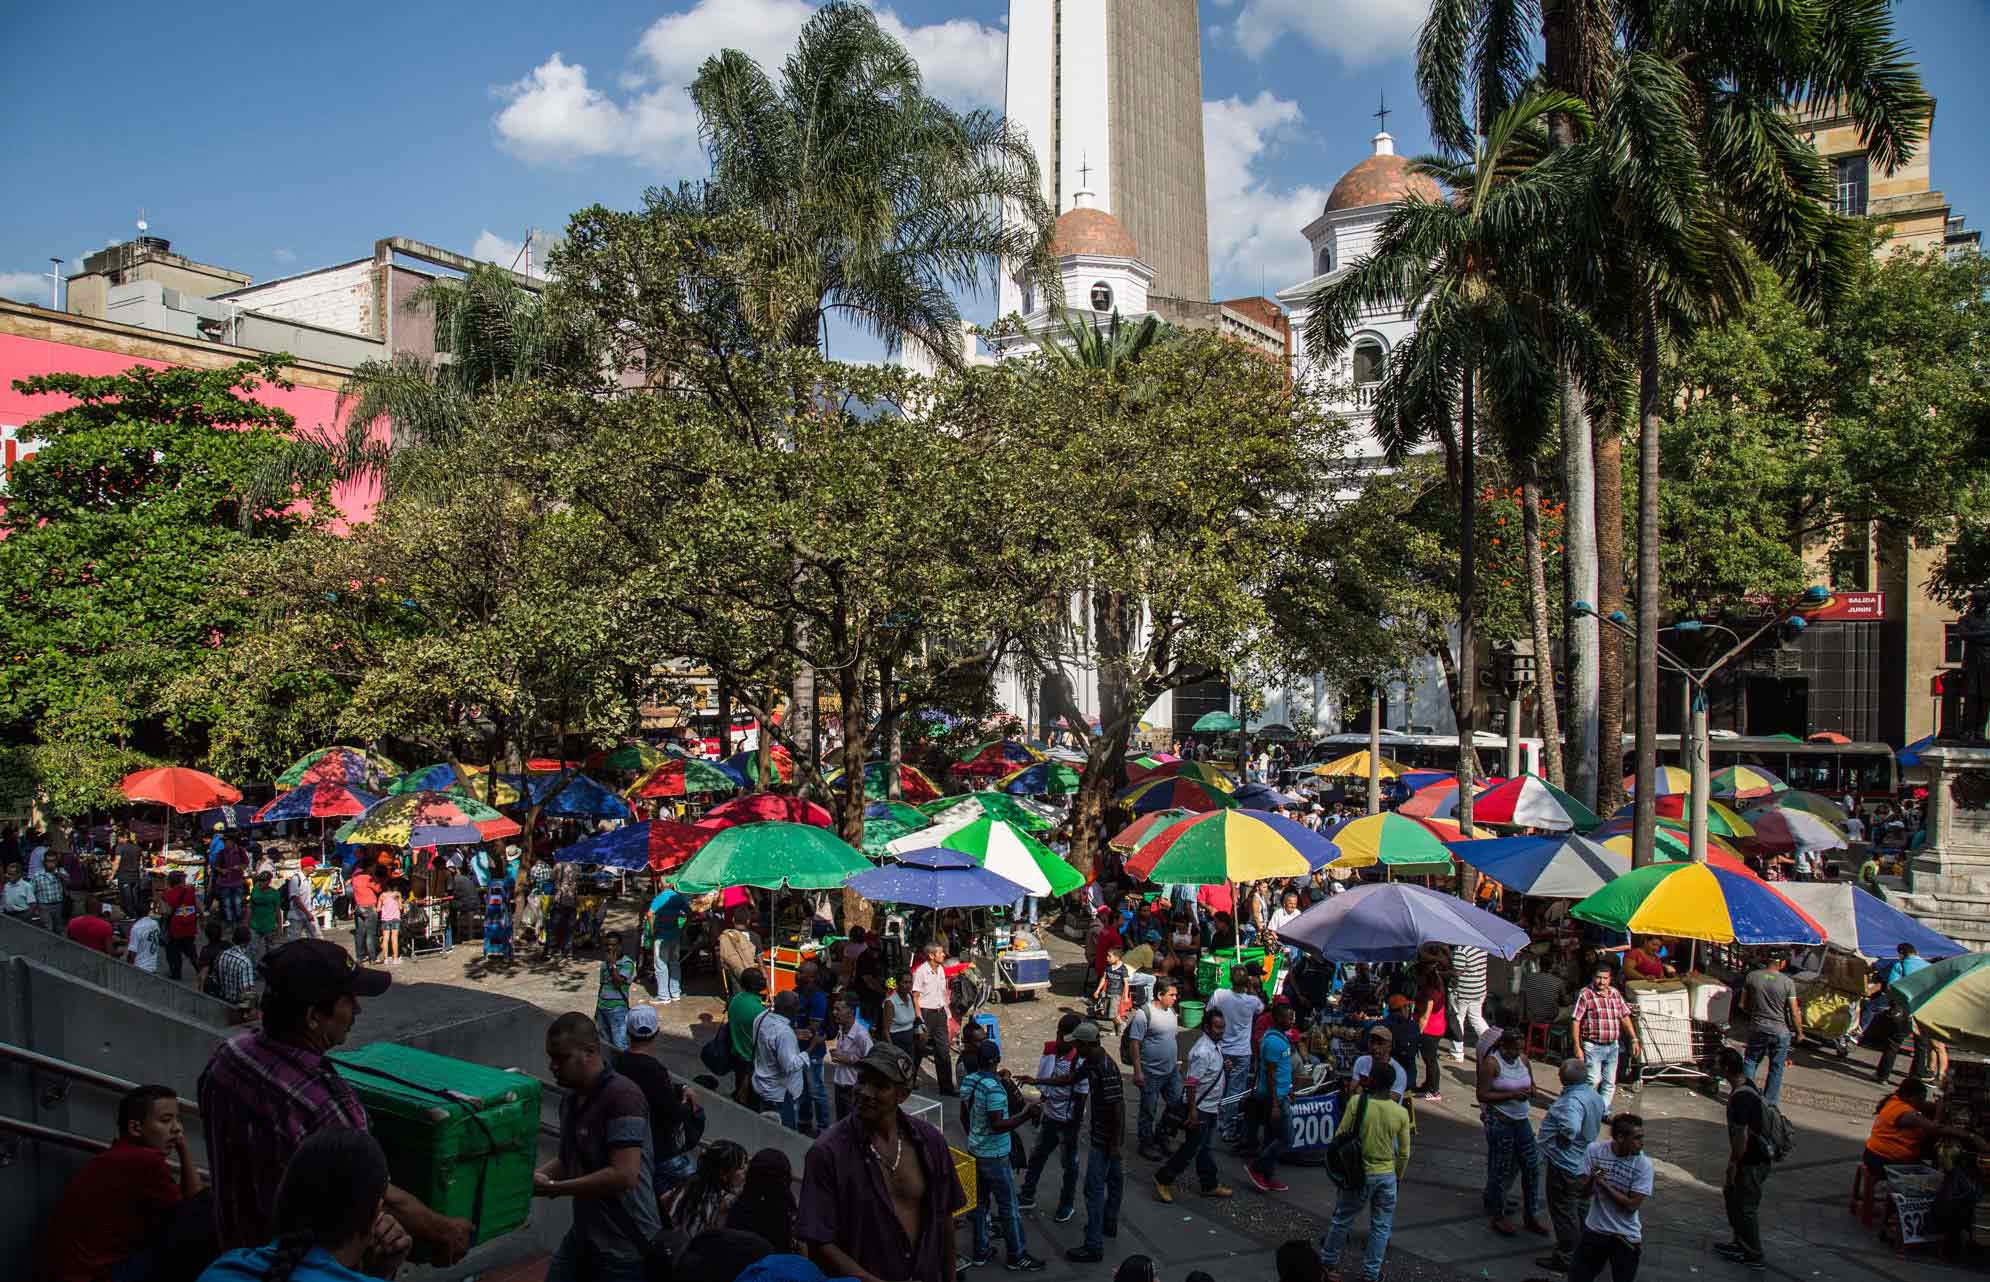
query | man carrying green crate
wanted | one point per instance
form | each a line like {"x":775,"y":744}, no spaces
{"x":604,"y":1162}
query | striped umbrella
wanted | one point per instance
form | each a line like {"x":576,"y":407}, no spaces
{"x":1565,"y":866}
{"x":769,"y":807}
{"x":1793,"y":830}
{"x":1144,"y":829}
{"x":422,"y":819}
{"x":1666,"y":781}
{"x":659,"y":845}
{"x":338,"y":765}
{"x":1746,"y":783}
{"x":316,"y":801}
{"x":1176,"y":794}
{"x":1001,"y":848}
{"x":1197,"y":771}
{"x":1722,"y":821}
{"x":1227,"y":846}
{"x":1355,"y":766}
{"x":1389,"y":838}
{"x":1531,"y":802}
{"x":1439,"y":800}
{"x":682,"y":777}
{"x":780,"y":766}
{"x":1823,"y":807}
{"x":913,"y":784}
{"x":994,"y":805}
{"x":633,"y":758}
{"x":1043,"y":779}
{"x":886,"y":821}
{"x":996,"y":757}
{"x":1699,"y":901}
{"x":770,"y":855}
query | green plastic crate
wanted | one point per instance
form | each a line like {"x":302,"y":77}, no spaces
{"x":1212,"y":969}
{"x":461,"y":1137}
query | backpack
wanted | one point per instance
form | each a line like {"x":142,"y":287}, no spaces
{"x":1346,"y":1166}
{"x":716,"y":1053}
{"x":1129,"y":1045}
{"x":1776,"y":1132}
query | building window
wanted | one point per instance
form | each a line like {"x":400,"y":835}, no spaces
{"x":1323,"y":262}
{"x":1848,"y":175}
{"x":1101,"y":296}
{"x":1367,"y":363}
{"x":1951,"y":643}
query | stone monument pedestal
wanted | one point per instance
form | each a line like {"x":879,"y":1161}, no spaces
{"x":1948,"y":879}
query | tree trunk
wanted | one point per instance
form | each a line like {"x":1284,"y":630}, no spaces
{"x":1648,"y":422}
{"x":724,"y":696}
{"x":850,"y":813}
{"x":888,"y":723}
{"x":1374,"y":748}
{"x":1468,"y":659}
{"x":1105,"y":752}
{"x":1547,"y":715}
{"x":1609,"y":598}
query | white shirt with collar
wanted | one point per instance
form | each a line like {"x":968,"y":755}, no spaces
{"x":777,"y":1058}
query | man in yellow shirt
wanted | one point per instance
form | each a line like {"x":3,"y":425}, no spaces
{"x":1385,"y":1152}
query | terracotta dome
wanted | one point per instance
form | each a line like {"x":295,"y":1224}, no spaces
{"x":1091,"y":231}
{"x":1383,"y":179}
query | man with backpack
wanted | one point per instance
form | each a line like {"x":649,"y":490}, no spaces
{"x":1757,"y":1136}
{"x":1369,"y":1153}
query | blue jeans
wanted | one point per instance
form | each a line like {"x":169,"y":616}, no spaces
{"x":1379,"y":1196}
{"x":814,"y":1110}
{"x":1237,"y":1068}
{"x":995,"y":1182}
{"x":1776,"y":1048}
{"x":1277,"y":1143}
{"x":788,"y":1107}
{"x":613,"y":1022}
{"x":669,"y":974}
{"x":1024,"y":910}
{"x":1600,"y":1058}
{"x":1195,"y":1148}
{"x":1156,"y":1091}
{"x":577,"y":1262}
{"x":1510,"y":1147}
{"x":231,"y":903}
{"x":1105,"y":1181}
{"x":1053,"y":1137}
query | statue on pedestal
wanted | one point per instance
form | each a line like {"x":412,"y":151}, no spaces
{"x":1973,"y":630}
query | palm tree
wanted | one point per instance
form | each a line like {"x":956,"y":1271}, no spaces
{"x":882,"y":202}
{"x":1470,"y":269}
{"x":1110,"y":349}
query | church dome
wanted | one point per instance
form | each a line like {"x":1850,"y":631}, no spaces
{"x":1382,"y":179}
{"x":1084,"y":230}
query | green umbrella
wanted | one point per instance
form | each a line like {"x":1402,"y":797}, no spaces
{"x":1005,"y":849}
{"x":1950,"y":999}
{"x":1216,"y":723}
{"x":886,"y":821}
{"x":770,"y":855}
{"x":634,"y":757}
{"x":995,"y":805}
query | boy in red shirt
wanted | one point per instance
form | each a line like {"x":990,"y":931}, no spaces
{"x":117,"y":1204}
{"x":182,"y":921}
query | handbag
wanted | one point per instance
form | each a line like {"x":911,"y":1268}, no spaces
{"x":716,"y":1053}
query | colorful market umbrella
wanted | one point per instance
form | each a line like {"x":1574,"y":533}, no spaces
{"x":996,"y":757}
{"x":970,"y":887}
{"x":1144,"y":829}
{"x":780,"y":766}
{"x":422,"y":819}
{"x":1216,"y":723}
{"x":935,"y":857}
{"x":1722,"y":821}
{"x":1746,"y":783}
{"x":185,"y":790}
{"x":1793,"y":830}
{"x":1439,"y":800}
{"x":1668,"y":842}
{"x":634,"y":758}
{"x":1261,"y":796}
{"x":338,"y":765}
{"x":1863,"y":923}
{"x":1823,"y":807}
{"x":1532,"y":802}
{"x":1390,"y":921}
{"x":440,"y":777}
{"x":472,"y":782}
{"x":1203,"y":772}
{"x":682,"y":777}
{"x":913,"y":784}
{"x":579,"y":797}
{"x":1448,"y":830}
{"x":1176,"y":794}
{"x":995,"y":805}
{"x":1699,"y":901}
{"x":660,"y":845}
{"x":1666,"y":781}
{"x":1388,"y":838}
{"x":1227,"y":846}
{"x":1002,"y":848}
{"x":316,"y":801}
{"x":1565,"y":866}
{"x":770,"y":855}
{"x":771,"y":807}
{"x":1043,"y":779}
{"x":1951,"y":1000}
{"x":886,"y":821}
{"x":1355,"y":766}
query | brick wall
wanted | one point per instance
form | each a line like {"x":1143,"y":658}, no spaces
{"x":340,"y":297}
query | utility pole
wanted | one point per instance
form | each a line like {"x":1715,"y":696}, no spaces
{"x":1375,"y":747}
{"x":1515,"y":671}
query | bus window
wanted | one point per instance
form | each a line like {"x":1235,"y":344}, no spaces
{"x":1867,"y":774}
{"x":1813,"y":773}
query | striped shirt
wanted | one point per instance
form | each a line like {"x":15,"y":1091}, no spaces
{"x":1468,"y":968}
{"x":234,"y":975}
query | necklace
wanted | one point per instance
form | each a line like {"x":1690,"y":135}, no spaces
{"x":897,"y":1153}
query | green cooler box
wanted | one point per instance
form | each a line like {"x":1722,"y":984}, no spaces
{"x":461,"y":1137}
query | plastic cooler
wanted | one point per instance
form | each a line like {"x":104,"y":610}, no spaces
{"x":1212,"y":969}
{"x":781,"y":965}
{"x":461,"y":1137}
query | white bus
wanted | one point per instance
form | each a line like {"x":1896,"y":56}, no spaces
{"x":1435,"y":751}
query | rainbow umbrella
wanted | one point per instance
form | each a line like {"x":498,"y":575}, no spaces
{"x":1668,"y":842}
{"x":1951,"y":1000}
{"x":1201,"y":772}
{"x":1002,"y":848}
{"x":770,"y":855}
{"x":1176,"y":794}
{"x":659,"y":845}
{"x":995,"y":757}
{"x":1746,"y":783}
{"x":1390,"y":838}
{"x":1144,"y":829}
{"x":913,"y":784}
{"x":1227,"y":846}
{"x":770,"y":807}
{"x":1390,"y":921}
{"x":422,"y":819}
{"x":1792,"y":830}
{"x":1043,"y":779}
{"x":780,"y":766}
{"x":682,"y":777}
{"x":1699,"y":901}
{"x":316,"y":801}
{"x":1449,"y":830}
{"x":1565,"y":866}
{"x":994,"y":805}
{"x":1674,"y":811}
{"x":634,"y":758}
{"x":338,"y":765}
{"x":1532,"y":802}
{"x":1439,"y":800}
{"x":1666,"y":781}
{"x":1823,"y":807}
{"x":474,"y":782}
{"x":1355,"y":766}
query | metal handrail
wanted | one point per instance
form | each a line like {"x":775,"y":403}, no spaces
{"x":79,"y":1073}
{"x":69,"y":1139}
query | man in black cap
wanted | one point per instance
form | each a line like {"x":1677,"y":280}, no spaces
{"x":266,"y":1090}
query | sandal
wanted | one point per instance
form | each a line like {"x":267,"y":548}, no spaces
{"x":1503,"y":1227}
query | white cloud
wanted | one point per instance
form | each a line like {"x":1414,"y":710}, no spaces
{"x":1254,"y":226}
{"x":554,"y":113}
{"x":25,"y":287}
{"x":1355,"y":31}
{"x":284,"y":255}
{"x":493,"y":248}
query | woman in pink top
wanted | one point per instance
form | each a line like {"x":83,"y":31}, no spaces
{"x":390,"y":921}
{"x":930,"y":991}
{"x":1430,"y":1008}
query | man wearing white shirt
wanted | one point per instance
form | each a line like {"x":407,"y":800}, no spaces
{"x":846,"y":1051}
{"x":1208,"y":1082}
{"x":1617,"y":1177}
{"x":1380,"y":1042}
{"x":145,"y":948}
{"x":778,"y":1061}
{"x":1240,"y":1005}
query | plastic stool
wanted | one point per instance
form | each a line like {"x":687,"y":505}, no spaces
{"x":988,"y":1024}
{"x":1865,"y":1191}
{"x":1537,"y":1039}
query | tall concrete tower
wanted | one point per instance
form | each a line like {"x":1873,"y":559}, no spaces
{"x":1110,"y":92}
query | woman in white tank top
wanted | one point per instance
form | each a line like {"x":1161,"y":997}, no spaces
{"x":1506,"y":1083}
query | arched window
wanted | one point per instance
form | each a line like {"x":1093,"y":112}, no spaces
{"x":1101,"y":296}
{"x":1368,"y":361}
{"x":1323,"y":260}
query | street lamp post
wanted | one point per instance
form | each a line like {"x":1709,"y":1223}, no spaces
{"x":1514,"y":668}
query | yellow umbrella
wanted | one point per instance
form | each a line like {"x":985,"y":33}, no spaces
{"x":1355,"y":766}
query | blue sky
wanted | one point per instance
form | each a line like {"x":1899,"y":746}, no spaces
{"x":272,"y":144}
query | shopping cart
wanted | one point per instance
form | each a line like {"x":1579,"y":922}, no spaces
{"x":1677,"y":1049}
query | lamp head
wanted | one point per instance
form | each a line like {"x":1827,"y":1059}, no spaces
{"x":1618,"y":616}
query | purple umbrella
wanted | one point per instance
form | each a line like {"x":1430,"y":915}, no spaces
{"x":935,"y":887}
{"x":1389,"y":921}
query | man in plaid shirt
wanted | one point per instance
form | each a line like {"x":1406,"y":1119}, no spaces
{"x":51,"y":898}
{"x":1600,"y":1016}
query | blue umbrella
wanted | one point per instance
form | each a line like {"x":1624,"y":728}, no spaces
{"x":582,"y":798}
{"x":1564,"y":866}
{"x":1258,"y":796}
{"x":626,"y":847}
{"x":935,"y":857}
{"x":935,"y":887}
{"x":1863,"y":923}
{"x":1390,"y":920}
{"x":227,"y":816}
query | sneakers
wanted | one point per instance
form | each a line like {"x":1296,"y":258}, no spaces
{"x":1430,"y":1097}
{"x":1553,"y":1263}
{"x":1221,"y":1190}
{"x":1026,"y":1263}
{"x":1084,"y":1255}
{"x":1163,"y":1192}
{"x":1733,"y":1251}
{"x":1064,"y":1213}
{"x":1026,"y":1202}
{"x":1265,"y":1183}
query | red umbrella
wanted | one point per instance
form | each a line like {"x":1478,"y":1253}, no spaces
{"x":763,"y":807}
{"x":186,"y":791}
{"x":673,"y":842}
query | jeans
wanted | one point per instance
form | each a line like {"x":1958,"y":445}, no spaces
{"x":1196,"y":1148}
{"x":131,"y":897}
{"x":1598,"y":1249}
{"x":613,"y":1023}
{"x":178,"y":952}
{"x":1105,"y":1181}
{"x":1510,"y":1147}
{"x":845,"y":1098}
{"x":1236,"y":1070}
{"x":1024,"y":910}
{"x":1567,"y":1208}
{"x":1776,"y":1048}
{"x":1600,"y":1058}
{"x":995,"y":1183}
{"x":1379,"y":1196}
{"x":669,"y":973}
{"x":815,"y":1095}
{"x":1744,"y":1206}
{"x":560,"y":929}
{"x":788,"y":1108}
{"x":1469,"y":1019}
{"x":576,"y":1261}
{"x":1156,"y":1091}
{"x":365,"y":934}
{"x":231,"y":903}
{"x":1278,"y":1141}
{"x":1053,"y":1137}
